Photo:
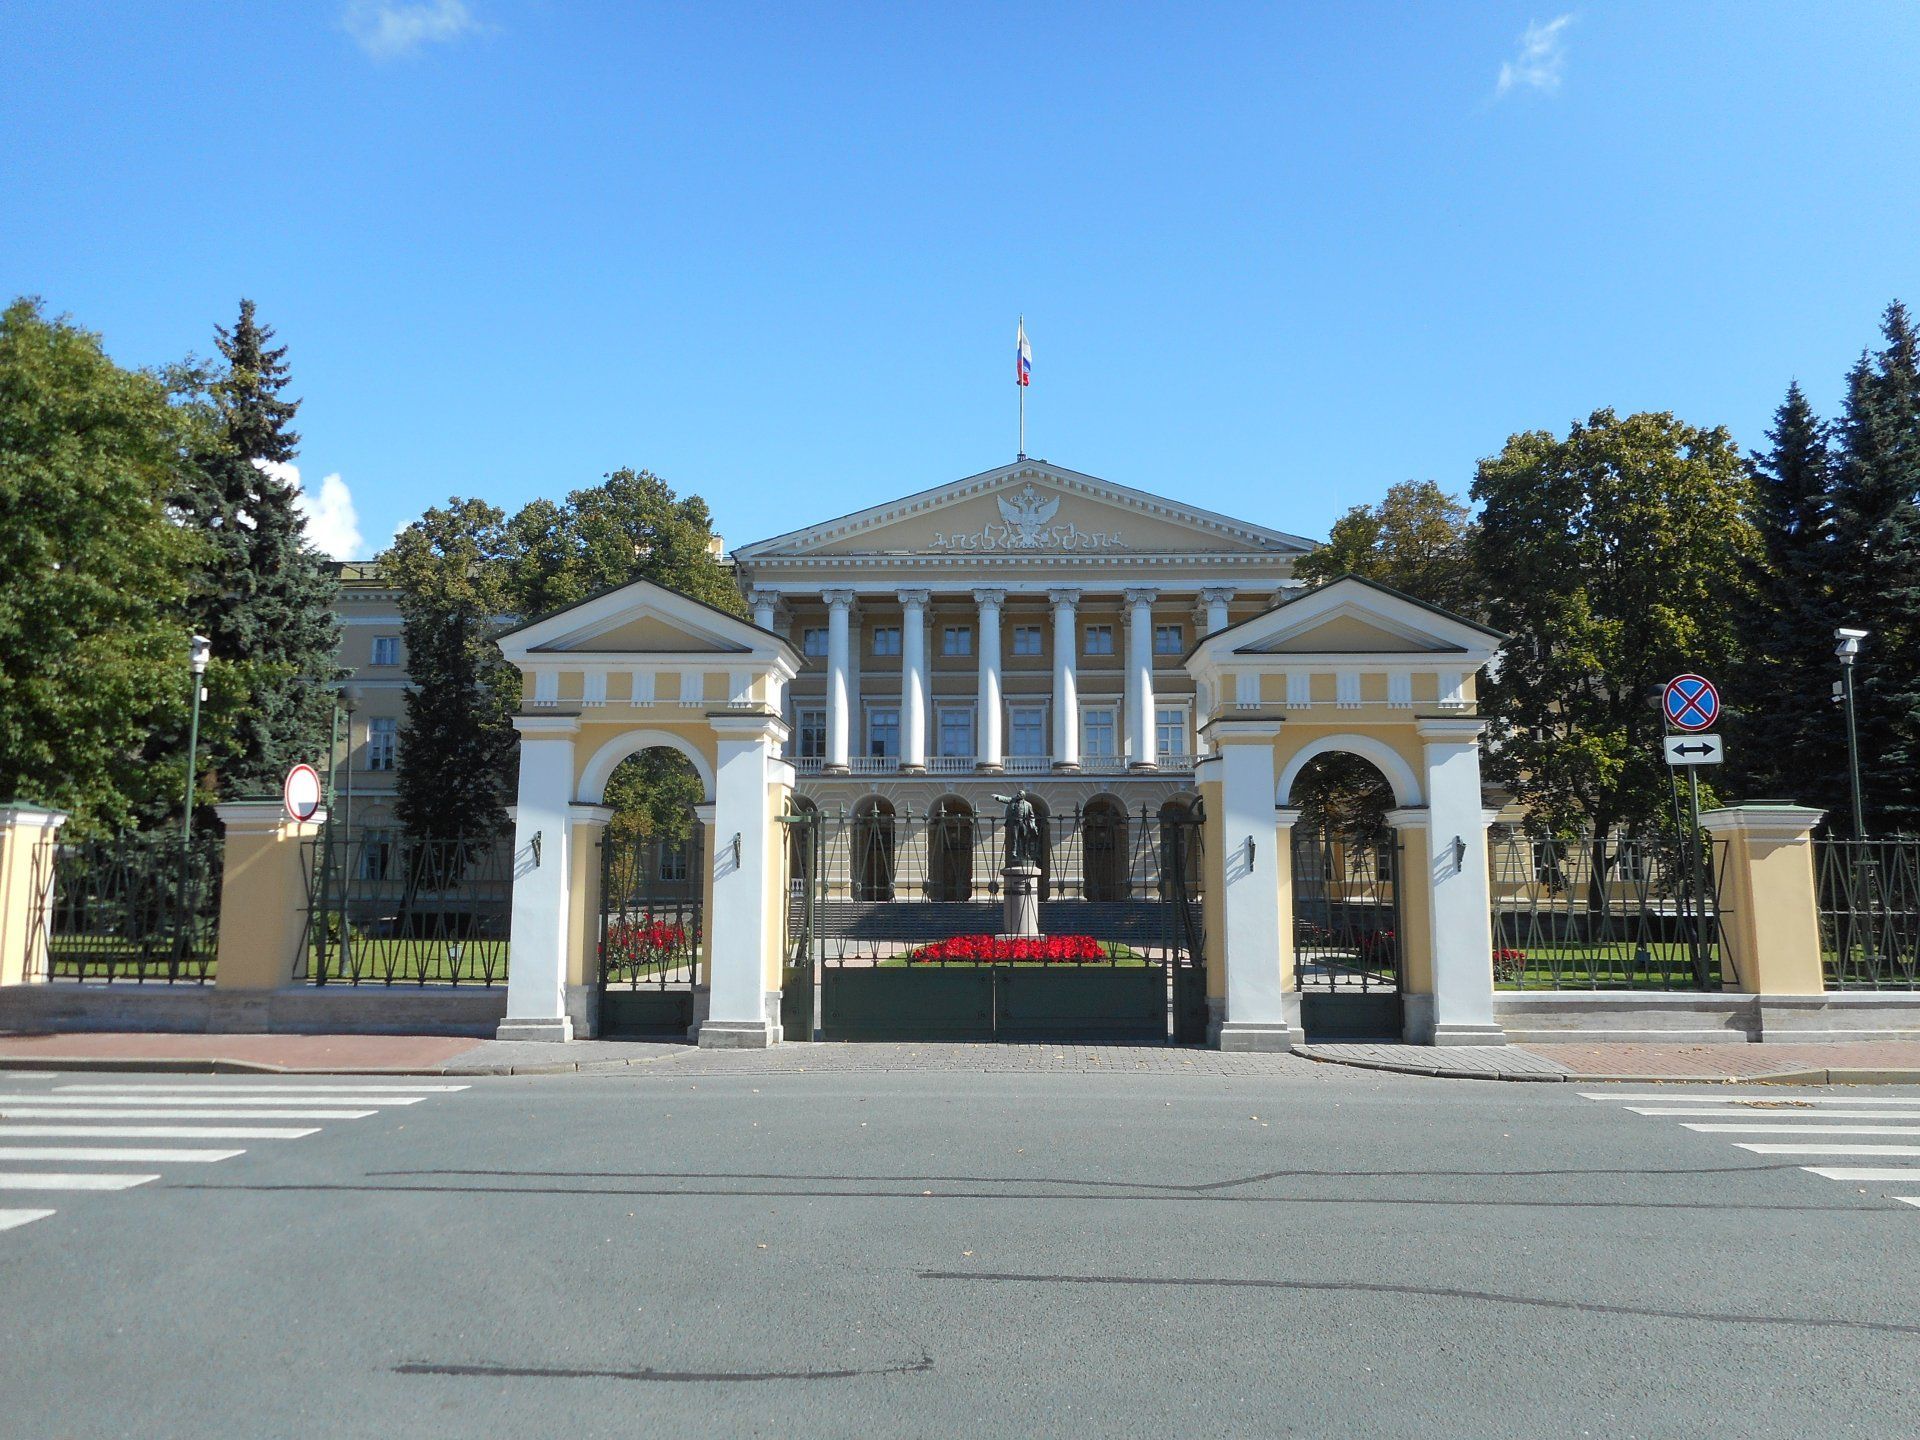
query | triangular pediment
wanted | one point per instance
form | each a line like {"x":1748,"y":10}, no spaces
{"x":1351,"y":617}
{"x":1029,"y":508}
{"x":639,"y":619}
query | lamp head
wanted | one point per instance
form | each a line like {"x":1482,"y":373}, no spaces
{"x":1847,"y":643}
{"x":199,"y":651}
{"x":350,"y":698}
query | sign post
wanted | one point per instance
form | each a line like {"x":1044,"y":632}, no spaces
{"x":1691,"y":705}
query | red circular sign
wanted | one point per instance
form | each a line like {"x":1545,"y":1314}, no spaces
{"x":1690,"y":702}
{"x":302,"y":793}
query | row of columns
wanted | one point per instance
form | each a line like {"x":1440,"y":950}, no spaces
{"x":916,"y":687}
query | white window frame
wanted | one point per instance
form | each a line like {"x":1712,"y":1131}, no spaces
{"x":942,"y":714}
{"x":1177,"y":631}
{"x":1039,"y":634}
{"x":384,"y":757}
{"x":386,"y":652}
{"x":801,"y":728}
{"x":887,"y":708}
{"x":885,"y":641}
{"x":1185,"y":720}
{"x":814,"y":642}
{"x":1109,"y":712}
{"x":1017,"y":708}
{"x":956,"y":640}
{"x":1104,"y":631}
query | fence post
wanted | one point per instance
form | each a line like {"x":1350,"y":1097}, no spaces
{"x":28,"y":837}
{"x":1769,"y":907}
{"x":263,"y":894}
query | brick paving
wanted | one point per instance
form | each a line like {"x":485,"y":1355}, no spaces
{"x":141,"y":1050}
{"x":1731,"y":1062}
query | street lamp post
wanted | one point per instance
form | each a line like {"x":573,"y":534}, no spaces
{"x":1847,"y":649}
{"x":199,"y":650}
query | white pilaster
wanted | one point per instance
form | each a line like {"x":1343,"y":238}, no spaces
{"x":740,"y":927}
{"x":1262,"y":1010}
{"x":1140,"y":678}
{"x":1066,"y":679}
{"x":839,"y":696}
{"x":542,"y":868}
{"x":913,"y":680}
{"x":1215,"y":598}
{"x":987,"y":718}
{"x":1457,"y":874}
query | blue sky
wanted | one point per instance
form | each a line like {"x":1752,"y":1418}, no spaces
{"x":1273,"y":258}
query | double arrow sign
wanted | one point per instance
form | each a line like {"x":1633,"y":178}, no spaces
{"x":1694,"y":750}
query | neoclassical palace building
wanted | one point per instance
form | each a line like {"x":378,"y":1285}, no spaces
{"x":1024,"y":625}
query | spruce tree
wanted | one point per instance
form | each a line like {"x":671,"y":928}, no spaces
{"x":1876,"y":523}
{"x":1787,"y":740}
{"x":266,"y":599}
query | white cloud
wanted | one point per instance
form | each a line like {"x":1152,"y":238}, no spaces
{"x":333,"y":525}
{"x":389,"y":29}
{"x":1542,"y":58}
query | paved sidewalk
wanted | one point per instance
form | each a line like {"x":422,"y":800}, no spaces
{"x":1852,"y":1062}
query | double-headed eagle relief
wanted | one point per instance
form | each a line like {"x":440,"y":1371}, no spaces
{"x":1027,"y":523}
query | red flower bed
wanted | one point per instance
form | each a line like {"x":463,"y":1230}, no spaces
{"x":645,"y":941}
{"x":1049,"y":949}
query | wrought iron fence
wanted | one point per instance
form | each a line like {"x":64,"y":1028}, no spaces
{"x":139,"y":908}
{"x":1869,"y":901}
{"x":1582,"y":913}
{"x":386,"y":909}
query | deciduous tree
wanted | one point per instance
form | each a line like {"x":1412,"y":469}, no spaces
{"x":1419,"y":540}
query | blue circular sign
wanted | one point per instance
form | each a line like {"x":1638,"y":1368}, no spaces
{"x":1691,"y":702}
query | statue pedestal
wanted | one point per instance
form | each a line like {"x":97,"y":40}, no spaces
{"x":1022,"y":890}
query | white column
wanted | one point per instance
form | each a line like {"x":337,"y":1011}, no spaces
{"x":1066,"y":680}
{"x":1140,"y":678}
{"x":542,"y":867}
{"x":987,"y":717}
{"x":1262,"y":1007}
{"x":1457,"y":875}
{"x":742,"y":1013}
{"x":1215,"y":598}
{"x":913,"y":680}
{"x":839,"y":699}
{"x":766,"y":606}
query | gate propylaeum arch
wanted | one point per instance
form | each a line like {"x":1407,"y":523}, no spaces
{"x":639,"y":667}
{"x":1350,"y":667}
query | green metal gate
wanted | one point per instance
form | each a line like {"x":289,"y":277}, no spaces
{"x":1347,"y":961}
{"x":902,"y":917}
{"x":651,"y":932}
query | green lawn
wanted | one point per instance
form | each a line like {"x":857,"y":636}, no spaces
{"x":379,"y":960}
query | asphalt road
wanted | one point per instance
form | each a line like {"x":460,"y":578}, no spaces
{"x":1319,"y":1252}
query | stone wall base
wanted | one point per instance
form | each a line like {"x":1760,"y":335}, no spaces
{"x":297,"y":1010}
{"x":1675,"y":1017}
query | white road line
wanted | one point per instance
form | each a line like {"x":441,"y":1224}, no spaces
{"x":1807,"y":1129}
{"x":1908,"y":1199}
{"x":1902,"y":1150}
{"x":162,"y":1112}
{"x":29,"y":1180}
{"x":112,"y":1154}
{"x":1722,"y":1112}
{"x":1749,"y":1099}
{"x":1875,"y":1174}
{"x":157,"y":1132}
{"x":14,"y":1219}
{"x":163,"y":1097}
{"x":208,"y":1087}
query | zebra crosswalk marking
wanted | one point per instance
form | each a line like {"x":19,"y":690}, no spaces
{"x":291,"y":1089}
{"x":169,"y":1097}
{"x":14,"y":1219}
{"x":112,"y":1155}
{"x":48,"y":1180}
{"x":161,"y":1132}
{"x":148,"y":1112}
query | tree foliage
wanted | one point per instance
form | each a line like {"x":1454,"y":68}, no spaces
{"x":264,"y":596}
{"x":1419,"y":540}
{"x":1622,"y":552}
{"x":93,"y":573}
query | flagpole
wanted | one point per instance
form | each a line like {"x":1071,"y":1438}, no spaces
{"x":1021,"y":453}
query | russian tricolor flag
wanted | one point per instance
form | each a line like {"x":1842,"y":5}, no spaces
{"x":1023,"y":356}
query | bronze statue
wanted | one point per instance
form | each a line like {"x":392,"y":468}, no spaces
{"x":1025,"y":844}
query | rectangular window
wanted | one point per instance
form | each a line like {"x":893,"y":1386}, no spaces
{"x":883,"y":733}
{"x":383,"y":740}
{"x":810,"y":734}
{"x":1027,"y":730}
{"x":1096,"y":734}
{"x":673,"y":860}
{"x":1169,"y":639}
{"x":1170,"y":731}
{"x":886,"y":639}
{"x":376,"y":855}
{"x":813,"y":642}
{"x":956,"y":731}
{"x":1026,"y":639}
{"x":386,"y":649}
{"x":957,"y":640}
{"x":1099,"y":640}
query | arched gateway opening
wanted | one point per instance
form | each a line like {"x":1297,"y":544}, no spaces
{"x":1347,"y":937}
{"x":651,"y":932}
